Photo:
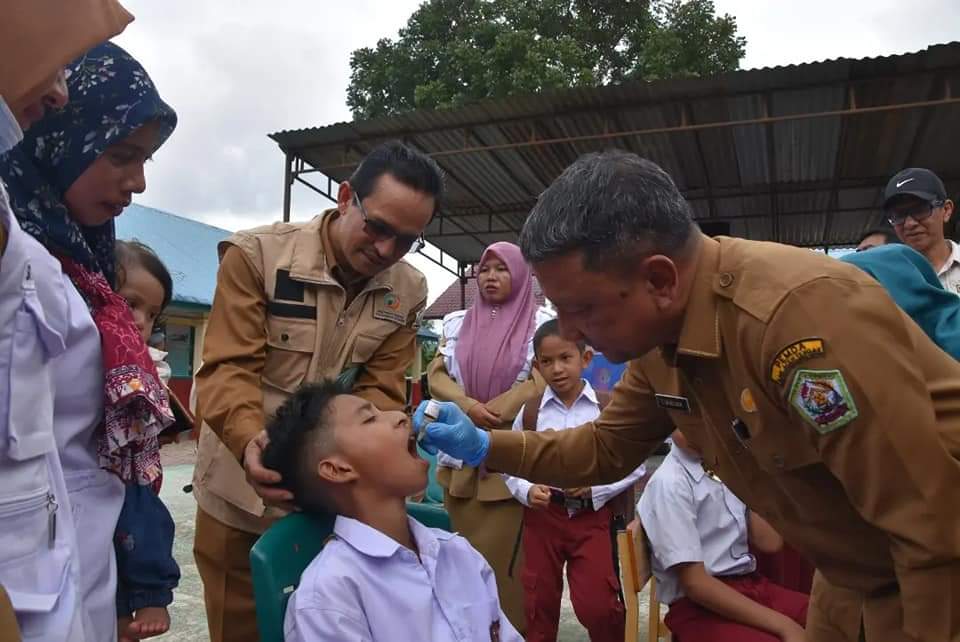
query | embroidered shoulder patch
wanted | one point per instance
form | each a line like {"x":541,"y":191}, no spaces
{"x":822,"y":399}
{"x":793,"y":354}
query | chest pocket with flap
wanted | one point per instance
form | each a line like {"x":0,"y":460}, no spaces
{"x":290,"y":346}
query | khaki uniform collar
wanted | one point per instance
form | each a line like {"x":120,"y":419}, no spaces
{"x":314,"y":260}
{"x":700,"y":334}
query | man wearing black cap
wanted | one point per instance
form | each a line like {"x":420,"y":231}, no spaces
{"x":917,"y":206}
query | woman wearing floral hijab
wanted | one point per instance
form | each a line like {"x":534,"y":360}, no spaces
{"x":484,"y":366}
{"x":73,"y":173}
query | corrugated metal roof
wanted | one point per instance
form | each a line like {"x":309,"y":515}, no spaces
{"x":186,"y":247}
{"x":807,"y":175}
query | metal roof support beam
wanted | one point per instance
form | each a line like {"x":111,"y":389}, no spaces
{"x":439,"y":262}
{"x":287,"y":184}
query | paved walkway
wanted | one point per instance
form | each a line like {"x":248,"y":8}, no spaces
{"x":188,"y":618}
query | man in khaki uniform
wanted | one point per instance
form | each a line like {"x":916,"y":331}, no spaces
{"x":295,"y":303}
{"x":815,"y":399}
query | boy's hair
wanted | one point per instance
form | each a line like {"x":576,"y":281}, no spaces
{"x":300,"y":435}
{"x":888,"y":234}
{"x":551,"y":329}
{"x":136,"y":253}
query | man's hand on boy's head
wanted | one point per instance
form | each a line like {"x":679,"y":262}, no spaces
{"x":538,"y":496}
{"x":264,"y":480}
{"x":452,"y":432}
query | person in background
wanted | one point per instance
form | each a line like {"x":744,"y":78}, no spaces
{"x":916,"y":204}
{"x":146,"y":570}
{"x":875,"y":237}
{"x":700,"y":536}
{"x":570,"y":527}
{"x":296,"y":303}
{"x":484,"y":366}
{"x":36,"y":41}
{"x":382,"y":576}
{"x":76,"y":170}
{"x":911,"y":282}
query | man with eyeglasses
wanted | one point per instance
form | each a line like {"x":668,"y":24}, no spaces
{"x":917,"y":207}
{"x":296,"y":303}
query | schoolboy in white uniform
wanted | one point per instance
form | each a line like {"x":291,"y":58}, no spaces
{"x":383,"y":576}
{"x":700,"y":535}
{"x":572,"y":527}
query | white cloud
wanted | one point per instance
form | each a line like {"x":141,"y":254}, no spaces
{"x":236,"y":71}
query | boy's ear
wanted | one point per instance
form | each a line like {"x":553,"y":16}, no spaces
{"x":336,"y":470}
{"x":587,"y":356}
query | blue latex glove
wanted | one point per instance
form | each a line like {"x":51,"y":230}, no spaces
{"x":453,"y":433}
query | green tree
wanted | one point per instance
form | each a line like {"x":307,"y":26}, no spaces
{"x":452,"y":52}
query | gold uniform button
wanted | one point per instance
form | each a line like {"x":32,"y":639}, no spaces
{"x":726,"y":280}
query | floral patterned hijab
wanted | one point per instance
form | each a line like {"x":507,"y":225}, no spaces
{"x":111,"y":96}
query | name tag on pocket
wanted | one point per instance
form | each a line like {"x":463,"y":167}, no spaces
{"x":672,"y":402}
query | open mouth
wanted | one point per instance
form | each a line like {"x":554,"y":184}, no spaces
{"x":412,"y":445}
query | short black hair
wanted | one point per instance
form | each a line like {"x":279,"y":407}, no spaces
{"x":300,"y":435}
{"x":134,"y":252}
{"x":551,"y":328}
{"x":613,"y":207}
{"x":412,"y":168}
{"x":888,"y":233}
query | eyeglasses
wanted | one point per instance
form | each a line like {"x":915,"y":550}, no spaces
{"x":919,"y":212}
{"x":380,"y":231}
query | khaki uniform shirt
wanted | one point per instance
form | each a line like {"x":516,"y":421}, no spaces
{"x":818,"y":402}
{"x":280,"y":318}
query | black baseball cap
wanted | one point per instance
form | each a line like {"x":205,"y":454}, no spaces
{"x":915,"y":181}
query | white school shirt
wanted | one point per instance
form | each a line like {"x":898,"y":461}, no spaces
{"x":452,"y":323}
{"x":949,"y":274}
{"x":554,"y":415}
{"x":690,"y":517}
{"x":366,"y":587}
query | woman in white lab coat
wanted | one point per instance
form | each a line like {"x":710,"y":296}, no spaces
{"x":75,"y":170}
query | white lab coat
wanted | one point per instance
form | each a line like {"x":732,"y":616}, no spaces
{"x":62,"y":586}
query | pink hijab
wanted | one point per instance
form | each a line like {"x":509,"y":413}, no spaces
{"x":492,"y":346}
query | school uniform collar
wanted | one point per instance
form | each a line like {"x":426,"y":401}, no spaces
{"x":691,"y":464}
{"x":588,"y":392}
{"x":700,"y":334}
{"x":954,"y":258}
{"x":371,"y":542}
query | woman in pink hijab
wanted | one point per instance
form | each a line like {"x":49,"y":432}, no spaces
{"x":484,"y":366}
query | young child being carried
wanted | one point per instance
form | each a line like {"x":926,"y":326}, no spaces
{"x":571,"y":527}
{"x":383,"y":576}
{"x":143,"y":541}
{"x":700,"y":535}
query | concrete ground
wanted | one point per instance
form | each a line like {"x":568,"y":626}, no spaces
{"x":187,"y":613}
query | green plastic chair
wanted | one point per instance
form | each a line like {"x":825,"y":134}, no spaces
{"x":282,"y":553}
{"x":434,"y":492}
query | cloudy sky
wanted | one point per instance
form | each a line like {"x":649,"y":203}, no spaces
{"x":237,"y":70}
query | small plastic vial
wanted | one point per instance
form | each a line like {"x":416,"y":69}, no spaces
{"x":430,"y":414}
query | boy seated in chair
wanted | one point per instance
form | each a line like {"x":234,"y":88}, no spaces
{"x":383,"y":576}
{"x":700,"y":534}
